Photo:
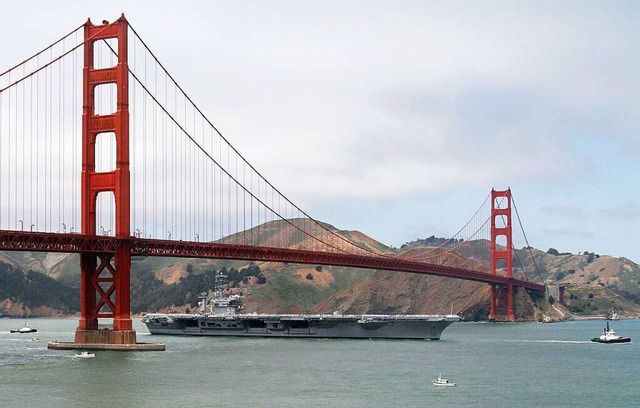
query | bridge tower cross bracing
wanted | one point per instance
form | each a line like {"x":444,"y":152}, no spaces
{"x":105,"y":278}
{"x":501,"y":214}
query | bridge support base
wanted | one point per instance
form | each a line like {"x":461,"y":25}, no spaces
{"x":105,"y":339}
{"x":497,"y":298}
{"x":105,"y":336}
{"x":68,"y":345}
{"x":502,"y":318}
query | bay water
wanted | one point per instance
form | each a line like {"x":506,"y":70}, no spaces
{"x":493,"y":364}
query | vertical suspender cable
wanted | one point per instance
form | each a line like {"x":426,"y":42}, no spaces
{"x":24,"y":161}
{"x":165,"y":154}
{"x":60,"y":142}
{"x":2,"y":198}
{"x":154,"y":190}
{"x":144,"y":154}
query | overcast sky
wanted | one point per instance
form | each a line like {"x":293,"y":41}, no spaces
{"x":397,"y":118}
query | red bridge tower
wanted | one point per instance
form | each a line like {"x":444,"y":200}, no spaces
{"x":105,"y":278}
{"x":501,"y":211}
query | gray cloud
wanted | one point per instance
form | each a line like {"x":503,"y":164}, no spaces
{"x":568,"y":232}
{"x":624,"y":212}
{"x":563,"y":212}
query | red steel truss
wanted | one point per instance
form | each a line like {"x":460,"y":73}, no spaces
{"x":26,"y":241}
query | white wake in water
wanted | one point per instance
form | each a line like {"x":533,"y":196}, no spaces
{"x":550,"y":341}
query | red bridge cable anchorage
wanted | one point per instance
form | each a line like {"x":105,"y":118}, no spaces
{"x":255,"y":196}
{"x":339,"y":237}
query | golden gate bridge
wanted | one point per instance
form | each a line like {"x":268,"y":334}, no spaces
{"x":103,"y":154}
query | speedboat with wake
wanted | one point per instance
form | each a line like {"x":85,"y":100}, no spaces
{"x":85,"y":354}
{"x":610,"y":336}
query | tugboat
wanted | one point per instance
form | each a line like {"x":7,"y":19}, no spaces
{"x":610,"y":336}
{"x":443,"y":382}
{"x":24,"y":329}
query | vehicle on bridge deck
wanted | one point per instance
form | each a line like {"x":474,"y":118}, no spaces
{"x":24,"y":329}
{"x":610,"y":336}
{"x":221,"y":316}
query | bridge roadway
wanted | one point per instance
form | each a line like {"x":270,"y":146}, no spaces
{"x":78,"y":243}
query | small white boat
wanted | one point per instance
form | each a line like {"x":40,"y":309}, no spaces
{"x":85,"y":354}
{"x":443,"y":382}
{"x":24,"y":329}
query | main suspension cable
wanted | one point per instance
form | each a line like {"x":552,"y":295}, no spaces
{"x":526,"y":240}
{"x":343,"y":239}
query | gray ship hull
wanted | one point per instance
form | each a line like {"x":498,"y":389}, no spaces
{"x":302,"y":326}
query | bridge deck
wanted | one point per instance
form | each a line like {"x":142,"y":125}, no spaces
{"x":77,"y":243}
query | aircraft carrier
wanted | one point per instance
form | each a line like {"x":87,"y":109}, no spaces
{"x":221,"y":316}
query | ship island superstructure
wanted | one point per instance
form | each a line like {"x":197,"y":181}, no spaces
{"x":222,"y":316}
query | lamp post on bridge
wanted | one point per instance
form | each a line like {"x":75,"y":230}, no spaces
{"x":137,"y":233}
{"x":21,"y":225}
{"x":32,"y":225}
{"x":169,"y":235}
{"x":64,"y":228}
{"x":197,"y":237}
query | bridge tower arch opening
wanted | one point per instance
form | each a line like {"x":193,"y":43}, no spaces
{"x":501,"y":247}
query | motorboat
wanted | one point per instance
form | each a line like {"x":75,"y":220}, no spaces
{"x":24,"y":329}
{"x":85,"y":354}
{"x":443,"y":382}
{"x":610,"y":336}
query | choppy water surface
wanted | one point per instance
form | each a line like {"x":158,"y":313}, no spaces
{"x":495,"y":365}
